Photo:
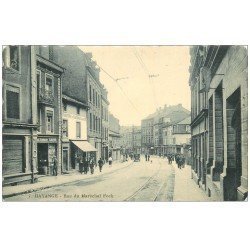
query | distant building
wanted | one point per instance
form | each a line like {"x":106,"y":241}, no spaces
{"x":147,"y":136}
{"x":219,"y":116}
{"x":154,"y":126}
{"x":131,"y":139}
{"x":114,"y":138}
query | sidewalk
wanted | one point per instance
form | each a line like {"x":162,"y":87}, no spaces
{"x":185,"y":188}
{"x":53,"y":181}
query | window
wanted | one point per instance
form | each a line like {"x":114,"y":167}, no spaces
{"x":49,"y":120}
{"x":38,"y":79}
{"x":94,"y":96}
{"x":51,"y":52}
{"x":78,"y":110}
{"x":13,"y":102}
{"x":78,"y":130}
{"x":90,"y":121}
{"x":65,"y":128}
{"x":65,"y":106}
{"x":90,"y":90}
{"x":14,"y":57}
{"x":49,"y":83}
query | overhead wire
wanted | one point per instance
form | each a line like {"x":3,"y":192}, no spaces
{"x":144,"y":67}
{"x":122,"y":90}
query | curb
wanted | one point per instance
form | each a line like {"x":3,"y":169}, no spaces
{"x":46,"y":187}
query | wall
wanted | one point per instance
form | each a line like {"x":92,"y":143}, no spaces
{"x":72,"y":117}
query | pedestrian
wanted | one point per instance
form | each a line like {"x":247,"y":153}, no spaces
{"x":100,"y":164}
{"x":146,"y":157}
{"x":81,"y":165}
{"x":92,"y":165}
{"x":85,"y":166}
{"x":110,"y":161}
{"x":54,"y":165}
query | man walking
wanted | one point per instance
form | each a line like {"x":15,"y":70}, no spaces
{"x":110,"y":161}
{"x":92,"y":165}
{"x":85,"y":166}
{"x":54,"y":165}
{"x":100,"y":164}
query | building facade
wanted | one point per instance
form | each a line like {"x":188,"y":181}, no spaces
{"x":131,"y":139}
{"x":19,"y":115}
{"x":105,"y":125}
{"x":74,"y":133}
{"x":177,"y":138}
{"x":49,"y":106}
{"x":147,"y":134}
{"x":114,"y":138}
{"x":218,"y":82}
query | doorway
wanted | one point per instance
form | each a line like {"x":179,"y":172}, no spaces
{"x":42,"y":155}
{"x":65,"y":159}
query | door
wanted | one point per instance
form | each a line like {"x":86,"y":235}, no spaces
{"x":65,"y":159}
{"x":12,"y":155}
{"x":42,"y":155}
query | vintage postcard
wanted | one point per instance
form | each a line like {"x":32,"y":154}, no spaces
{"x":124,"y":123}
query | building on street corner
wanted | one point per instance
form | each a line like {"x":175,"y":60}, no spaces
{"x":19,"y":115}
{"x":219,"y":117}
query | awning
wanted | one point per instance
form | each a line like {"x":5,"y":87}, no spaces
{"x":85,"y":146}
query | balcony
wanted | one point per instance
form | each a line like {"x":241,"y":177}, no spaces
{"x":45,"y":96}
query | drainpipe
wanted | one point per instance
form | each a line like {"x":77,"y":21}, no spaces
{"x":33,"y":107}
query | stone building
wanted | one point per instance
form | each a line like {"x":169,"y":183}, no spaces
{"x":19,"y":115}
{"x":49,"y":106}
{"x":177,"y":136}
{"x":131,"y":139}
{"x":154,"y":126}
{"x":105,"y":124}
{"x":74,"y":133}
{"x":219,"y":116}
{"x":114,"y":138}
{"x":81,"y":82}
{"x":147,"y":136}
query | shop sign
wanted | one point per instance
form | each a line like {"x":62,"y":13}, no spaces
{"x":47,"y":140}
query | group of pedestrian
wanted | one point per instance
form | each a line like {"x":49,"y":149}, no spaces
{"x":147,"y":157}
{"x":180,"y":160}
{"x":170,"y":158}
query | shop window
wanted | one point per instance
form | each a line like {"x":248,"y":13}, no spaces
{"x":50,"y":121}
{"x":78,"y":130}
{"x":13,"y":102}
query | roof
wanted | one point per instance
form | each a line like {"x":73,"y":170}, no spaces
{"x":72,"y":100}
{"x":186,"y":121}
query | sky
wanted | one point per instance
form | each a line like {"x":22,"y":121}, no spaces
{"x":139,"y":95}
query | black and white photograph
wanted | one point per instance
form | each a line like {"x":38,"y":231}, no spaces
{"x":125,"y":123}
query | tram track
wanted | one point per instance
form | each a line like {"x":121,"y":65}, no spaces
{"x":150,"y":183}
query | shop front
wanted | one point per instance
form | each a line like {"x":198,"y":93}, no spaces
{"x":47,"y":148}
{"x":80,"y":150}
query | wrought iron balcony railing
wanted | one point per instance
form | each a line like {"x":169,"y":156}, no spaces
{"x":45,"y":96}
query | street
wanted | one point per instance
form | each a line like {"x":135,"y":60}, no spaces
{"x":138,"y":181}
